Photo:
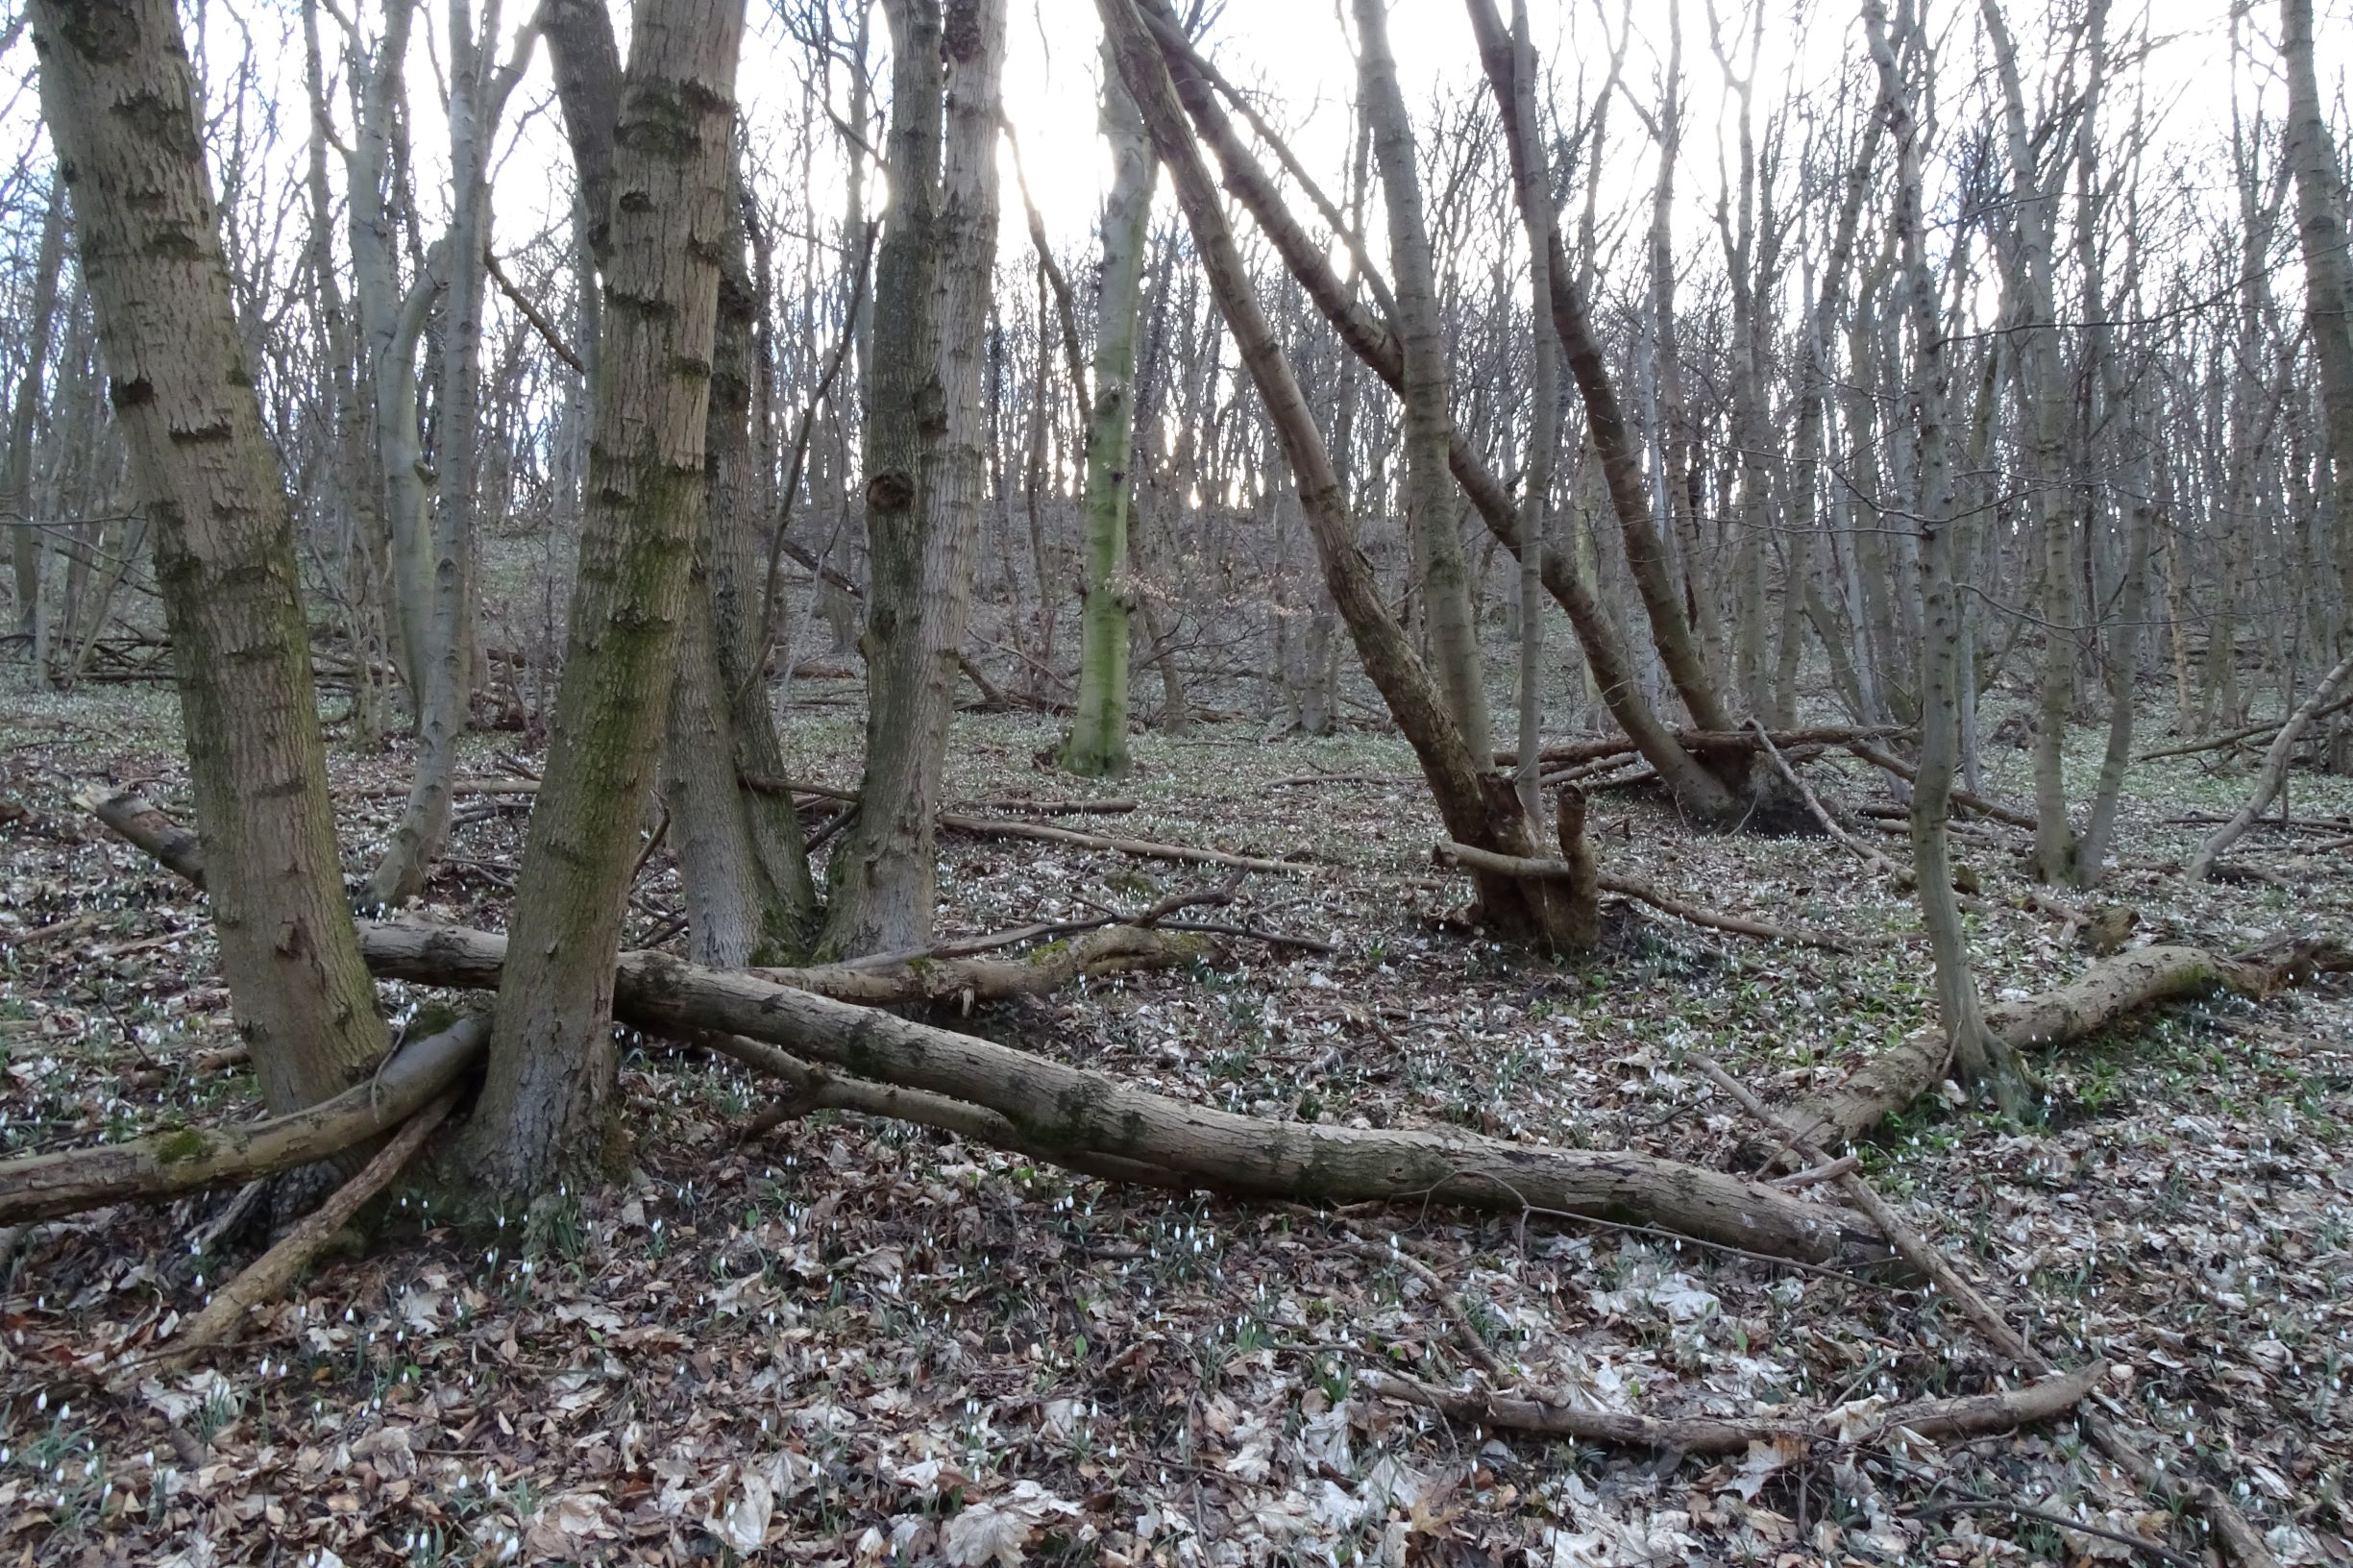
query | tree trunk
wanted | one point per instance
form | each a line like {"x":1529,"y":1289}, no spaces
{"x":1428,"y":384}
{"x":1979,"y":1054}
{"x":1698,"y":792}
{"x":24,"y":416}
{"x":924,"y":466}
{"x":121,"y":103}
{"x":2328,"y":279}
{"x":551,"y":1065}
{"x":1097,"y":742}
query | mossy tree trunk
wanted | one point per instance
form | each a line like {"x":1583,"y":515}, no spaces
{"x":24,"y":414}
{"x":742,"y":861}
{"x":1097,"y":742}
{"x":551,"y":1068}
{"x":121,"y":101}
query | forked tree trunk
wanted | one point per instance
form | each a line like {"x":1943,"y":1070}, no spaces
{"x":121,"y":101}
{"x":479,"y":89}
{"x":1476,"y":802}
{"x":1097,"y":742}
{"x":924,"y":467}
{"x":551,"y":1066}
{"x":2043,"y":411}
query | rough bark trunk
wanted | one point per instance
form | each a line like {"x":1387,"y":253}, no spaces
{"x":924,"y":467}
{"x":120,"y":97}
{"x":2328,"y":278}
{"x":551,"y":1065}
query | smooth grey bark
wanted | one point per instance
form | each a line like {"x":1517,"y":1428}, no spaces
{"x":1429,"y":423}
{"x":1976,"y":1050}
{"x":479,"y":91}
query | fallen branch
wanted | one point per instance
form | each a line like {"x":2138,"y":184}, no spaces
{"x":1049,"y":808}
{"x":1142,"y":849}
{"x":2274,"y":773}
{"x":1938,"y":1419}
{"x":2252,"y":733}
{"x":1894,"y":1076}
{"x":2228,"y":1522}
{"x":162,"y":1165}
{"x":1113,"y":949}
{"x":269,"y":1275}
{"x":1488,"y":859}
{"x":1963,"y":798}
{"x":1876,"y":861}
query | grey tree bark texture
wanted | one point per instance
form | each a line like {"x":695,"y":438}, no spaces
{"x":120,"y":98}
{"x":924,"y":466}
{"x":550,"y":1078}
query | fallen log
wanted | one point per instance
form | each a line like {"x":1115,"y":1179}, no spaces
{"x":267,"y":1277}
{"x":1488,"y":859}
{"x":185,"y":1160}
{"x":1938,"y":1419}
{"x":1111,"y":949}
{"x":1994,"y":1325}
{"x":1021,"y":807}
{"x":1896,"y":1076}
{"x":1078,"y":1118}
{"x":1704,"y":742}
{"x":1063,"y":1115}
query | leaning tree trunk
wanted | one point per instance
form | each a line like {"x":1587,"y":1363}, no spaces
{"x":1477,"y":803}
{"x":1097,"y":742}
{"x":1697,"y":791}
{"x":924,"y":465}
{"x":552,"y":1063}
{"x":121,"y":103}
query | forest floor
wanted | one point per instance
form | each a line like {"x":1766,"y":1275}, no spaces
{"x":849,"y":1343}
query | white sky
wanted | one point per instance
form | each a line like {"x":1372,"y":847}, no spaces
{"x":1297,"y":55}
